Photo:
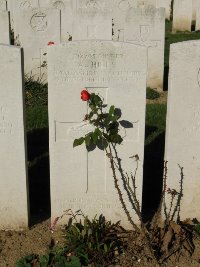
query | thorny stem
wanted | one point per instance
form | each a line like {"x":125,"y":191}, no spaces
{"x":180,"y":194}
{"x":143,"y":229}
{"x":119,"y":191}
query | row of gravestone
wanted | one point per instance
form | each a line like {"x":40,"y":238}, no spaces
{"x":184,"y":11}
{"x":83,"y":180}
{"x":117,"y":20}
{"x":110,"y":20}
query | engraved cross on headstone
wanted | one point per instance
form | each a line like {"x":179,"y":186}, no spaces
{"x":66,"y":131}
{"x":144,"y":36}
{"x":91,"y":31}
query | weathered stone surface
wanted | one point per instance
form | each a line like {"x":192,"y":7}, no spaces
{"x":3,"y":5}
{"x":195,"y":5}
{"x":146,"y":26}
{"x":117,"y":72}
{"x":165,"y":4}
{"x":197,"y":27}
{"x":4,"y":27}
{"x":182,"y":15}
{"x":183,"y":125}
{"x":92,"y":22}
{"x":67,"y":8}
{"x":13,"y":172}
{"x":34,"y":29}
{"x":120,"y":10}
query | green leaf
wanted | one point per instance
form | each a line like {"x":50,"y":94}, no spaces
{"x":94,"y":137}
{"x":111,"y":110}
{"x":75,"y":262}
{"x":44,"y":260}
{"x":78,"y":142}
{"x":116,"y":138}
{"x":112,"y":128}
{"x":102,"y":143}
{"x":105,"y":248}
{"x":88,"y":139}
{"x":126,"y":124}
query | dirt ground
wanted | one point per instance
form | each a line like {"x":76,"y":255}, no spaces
{"x":161,"y":100}
{"x":14,"y":245}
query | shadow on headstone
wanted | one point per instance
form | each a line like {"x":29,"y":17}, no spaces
{"x":153,"y":173}
{"x":38,"y":174}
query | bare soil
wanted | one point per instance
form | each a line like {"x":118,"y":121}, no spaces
{"x":161,"y":100}
{"x":14,"y":245}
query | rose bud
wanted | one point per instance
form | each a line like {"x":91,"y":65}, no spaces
{"x":50,"y":43}
{"x":85,"y":96}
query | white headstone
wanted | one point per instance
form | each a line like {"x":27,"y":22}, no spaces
{"x":92,"y":21}
{"x":165,"y":4}
{"x":182,"y":15}
{"x":37,"y":27}
{"x":197,"y":27}
{"x":146,"y":3}
{"x":67,"y":15}
{"x":117,"y":72}
{"x":183,"y":124}
{"x":120,"y":10}
{"x":195,"y":5}
{"x":13,"y":173}
{"x":146,"y":26}
{"x":3,"y":5}
{"x":19,"y":5}
{"x":4,"y":27}
{"x":24,"y":4}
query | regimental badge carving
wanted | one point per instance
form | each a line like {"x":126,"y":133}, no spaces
{"x":25,"y":4}
{"x":124,"y":5}
{"x":59,"y":5}
{"x":38,"y":22}
{"x":92,"y":4}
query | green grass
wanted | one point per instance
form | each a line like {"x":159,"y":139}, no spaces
{"x":152,"y":94}
{"x":155,"y":121}
{"x":36,"y":117}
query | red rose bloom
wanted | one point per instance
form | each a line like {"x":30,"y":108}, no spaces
{"x":85,"y":96}
{"x":50,"y":43}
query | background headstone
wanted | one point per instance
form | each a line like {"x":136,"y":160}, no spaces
{"x":146,"y":3}
{"x":4,"y":27}
{"x":67,"y":15}
{"x":13,"y":172}
{"x":120,"y":10}
{"x":92,"y":21}
{"x":117,"y":72}
{"x":182,"y":15}
{"x":146,"y":26}
{"x":35,"y":28}
{"x":167,"y":5}
{"x":183,"y":125}
{"x":195,"y":4}
{"x":197,"y":27}
{"x":3,"y":5}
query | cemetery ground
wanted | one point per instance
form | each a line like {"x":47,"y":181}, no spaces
{"x":14,"y":245}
